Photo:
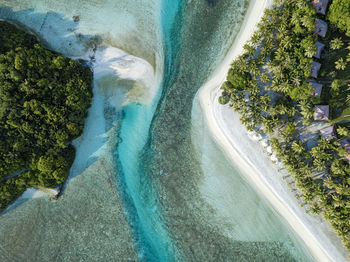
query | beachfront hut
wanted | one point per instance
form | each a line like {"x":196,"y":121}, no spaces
{"x":345,"y":143}
{"x":319,"y":49}
{"x":317,"y":89}
{"x":328,"y":133}
{"x":321,"y":112}
{"x":320,"y":6}
{"x":316,"y":66}
{"x":321,"y":27}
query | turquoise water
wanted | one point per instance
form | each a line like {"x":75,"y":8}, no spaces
{"x":159,"y":165}
{"x":141,"y":197}
{"x":162,"y":168}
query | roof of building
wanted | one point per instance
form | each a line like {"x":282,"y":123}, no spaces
{"x":321,"y":27}
{"x":328,"y":133}
{"x":319,"y":49}
{"x":316,"y":66}
{"x":321,"y":112}
{"x":317,"y":89}
{"x":320,"y":6}
{"x":345,"y":143}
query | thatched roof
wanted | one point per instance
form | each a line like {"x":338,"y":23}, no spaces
{"x":316,"y":66}
{"x":328,"y":133}
{"x":317,"y":89}
{"x":321,"y":27}
{"x":321,"y":112}
{"x":320,"y":6}
{"x":319,"y":49}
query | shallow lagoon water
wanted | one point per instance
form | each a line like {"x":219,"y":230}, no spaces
{"x":160,"y":167}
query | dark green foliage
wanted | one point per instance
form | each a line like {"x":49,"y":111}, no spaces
{"x":339,"y":15}
{"x":290,"y":129}
{"x":238,"y":79}
{"x":44,"y":99}
{"x":224,"y":100}
{"x":301,"y":92}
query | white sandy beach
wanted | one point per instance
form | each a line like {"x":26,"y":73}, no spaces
{"x":254,"y":161}
{"x":111,"y":66}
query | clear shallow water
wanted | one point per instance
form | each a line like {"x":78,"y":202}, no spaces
{"x":241,"y":213}
{"x":170,"y":166}
{"x":159,"y":167}
{"x":141,"y":200}
{"x":141,"y":196}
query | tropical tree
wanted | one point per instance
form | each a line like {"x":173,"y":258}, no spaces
{"x":306,"y":111}
{"x":336,"y":84}
{"x":339,"y":15}
{"x":343,"y":131}
{"x":298,"y":147}
{"x":343,"y":188}
{"x":340,"y":64}
{"x":348,"y":57}
{"x":336,"y":43}
{"x":315,"y":209}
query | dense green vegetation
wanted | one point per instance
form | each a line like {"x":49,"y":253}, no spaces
{"x":44,"y":99}
{"x":339,"y":15}
{"x":269,"y":85}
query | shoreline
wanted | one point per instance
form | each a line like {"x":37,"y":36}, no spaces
{"x":225,"y":126}
{"x":92,"y":180}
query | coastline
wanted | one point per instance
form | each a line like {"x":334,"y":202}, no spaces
{"x":92,"y":179}
{"x":250,"y":157}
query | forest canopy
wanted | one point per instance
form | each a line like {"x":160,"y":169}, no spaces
{"x":339,"y":15}
{"x":44,"y":98}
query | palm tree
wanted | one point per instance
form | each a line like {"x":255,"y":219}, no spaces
{"x":286,"y":42}
{"x":343,"y":131}
{"x":337,"y":200}
{"x":340,"y":64}
{"x":337,"y":169}
{"x":298,"y":147}
{"x":310,"y":52}
{"x":306,"y":111}
{"x":336,"y":43}
{"x":308,"y":22}
{"x":343,"y":188}
{"x":315,"y":209}
{"x":265,"y":102}
{"x":249,"y":49}
{"x":265,"y":78}
{"x":336,"y":84}
{"x":319,"y":164}
{"x":256,"y":38}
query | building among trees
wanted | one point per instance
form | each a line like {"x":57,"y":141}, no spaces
{"x":317,"y":89}
{"x":315,"y":68}
{"x":321,"y":112}
{"x":328,"y":133}
{"x":320,"y":6}
{"x":321,"y":27}
{"x":319,"y":49}
{"x":345,"y":143}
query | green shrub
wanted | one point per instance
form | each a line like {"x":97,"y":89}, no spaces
{"x":224,"y":100}
{"x":339,"y":15}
